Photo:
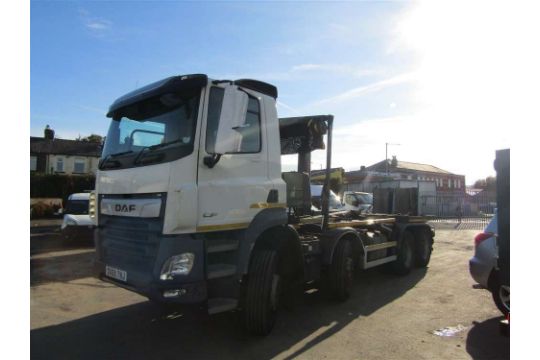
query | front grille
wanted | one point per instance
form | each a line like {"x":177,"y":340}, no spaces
{"x":129,"y":243}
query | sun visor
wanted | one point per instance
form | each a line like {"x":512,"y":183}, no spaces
{"x":169,"y":85}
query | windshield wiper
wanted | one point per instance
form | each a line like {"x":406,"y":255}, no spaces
{"x":154,"y":147}
{"x":111,"y":156}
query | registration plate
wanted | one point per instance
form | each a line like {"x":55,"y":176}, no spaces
{"x":116,"y":273}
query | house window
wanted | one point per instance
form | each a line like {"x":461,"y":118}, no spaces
{"x":33,"y":163}
{"x":78,"y":166}
{"x":59,"y":164}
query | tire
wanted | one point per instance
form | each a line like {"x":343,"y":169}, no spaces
{"x":262,"y":293}
{"x":405,"y":257}
{"x":339,"y":282}
{"x":423,"y":246}
{"x":500,"y":294}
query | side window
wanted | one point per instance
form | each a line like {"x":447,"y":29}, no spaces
{"x":250,"y":130}
{"x":251,"y":133}
{"x":214,"y":112}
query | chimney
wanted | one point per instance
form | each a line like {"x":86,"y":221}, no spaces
{"x":394,"y":161}
{"x":48,"y":133}
{"x":362,"y":168}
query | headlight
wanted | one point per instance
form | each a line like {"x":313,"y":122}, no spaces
{"x":92,"y":206}
{"x":177,"y":265}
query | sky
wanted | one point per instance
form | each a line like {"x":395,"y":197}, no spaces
{"x":423,"y":77}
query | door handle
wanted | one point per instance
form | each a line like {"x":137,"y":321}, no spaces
{"x":207,"y":215}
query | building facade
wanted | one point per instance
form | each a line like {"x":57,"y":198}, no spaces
{"x":445,"y":181}
{"x":60,"y":156}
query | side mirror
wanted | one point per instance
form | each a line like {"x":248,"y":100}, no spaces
{"x":231,"y":121}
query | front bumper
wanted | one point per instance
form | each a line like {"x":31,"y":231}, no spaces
{"x":480,"y":271}
{"x":137,"y":247}
{"x":194,"y":292}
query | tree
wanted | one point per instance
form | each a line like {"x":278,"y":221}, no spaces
{"x":93,"y":138}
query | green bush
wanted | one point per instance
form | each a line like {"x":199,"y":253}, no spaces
{"x":59,"y":186}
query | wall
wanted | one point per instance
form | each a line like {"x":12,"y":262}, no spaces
{"x":90,"y":163}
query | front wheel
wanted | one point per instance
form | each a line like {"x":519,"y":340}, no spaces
{"x":262,"y":293}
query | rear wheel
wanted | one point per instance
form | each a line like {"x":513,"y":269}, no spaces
{"x":405,"y":257}
{"x":423,"y":246}
{"x":262,"y":293}
{"x":500,"y":293}
{"x":339,"y":281}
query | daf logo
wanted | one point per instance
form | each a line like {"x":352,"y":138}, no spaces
{"x":124,"y":207}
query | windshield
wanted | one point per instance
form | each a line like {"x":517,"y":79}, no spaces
{"x":334,"y":202}
{"x":76,"y":207}
{"x":155,"y":130}
{"x":364,"y":199}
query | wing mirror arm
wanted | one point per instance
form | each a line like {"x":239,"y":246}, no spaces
{"x":211,"y":160}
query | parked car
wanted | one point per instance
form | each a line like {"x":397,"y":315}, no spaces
{"x":483,"y":266}
{"x":316,"y":199}
{"x":358,"y":201}
{"x":77,"y":223}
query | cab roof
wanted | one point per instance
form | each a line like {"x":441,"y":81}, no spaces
{"x":180,"y":83}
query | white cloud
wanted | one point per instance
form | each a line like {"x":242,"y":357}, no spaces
{"x":303,"y":71}
{"x":95,"y":25}
{"x":98,"y":25}
{"x":341,"y":69}
{"x":287,"y":107}
{"x":365,"y":89}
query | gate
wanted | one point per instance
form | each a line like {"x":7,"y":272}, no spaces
{"x":462,"y":211}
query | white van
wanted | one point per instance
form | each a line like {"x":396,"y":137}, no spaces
{"x":77,"y":223}
{"x":335,"y":201}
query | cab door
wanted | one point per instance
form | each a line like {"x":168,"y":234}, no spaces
{"x":230,"y":192}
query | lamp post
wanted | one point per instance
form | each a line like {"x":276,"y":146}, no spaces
{"x":386,"y":158}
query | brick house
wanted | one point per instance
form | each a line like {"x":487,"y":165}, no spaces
{"x":60,"y":156}
{"x":445,"y":181}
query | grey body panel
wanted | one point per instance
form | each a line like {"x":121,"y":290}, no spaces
{"x":264,"y":220}
{"x":485,"y":256}
{"x":484,"y":261}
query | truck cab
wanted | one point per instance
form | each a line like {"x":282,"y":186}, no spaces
{"x":187,"y":160}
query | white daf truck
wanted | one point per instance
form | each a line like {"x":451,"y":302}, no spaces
{"x":191,"y":205}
